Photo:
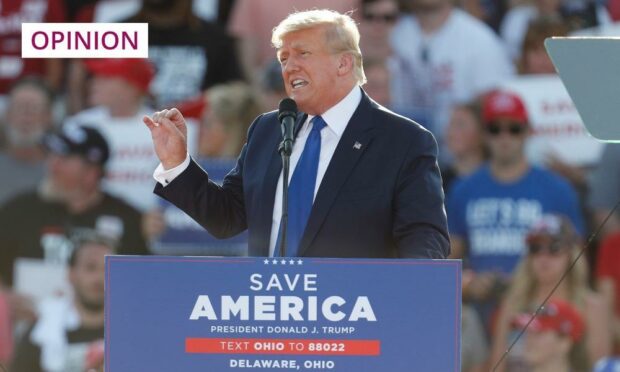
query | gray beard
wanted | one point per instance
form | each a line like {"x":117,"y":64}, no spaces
{"x":48,"y":192}
{"x":20,"y":140}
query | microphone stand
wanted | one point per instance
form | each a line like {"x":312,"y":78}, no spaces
{"x":285,"y":149}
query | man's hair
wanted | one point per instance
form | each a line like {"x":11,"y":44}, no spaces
{"x":341,"y":33}
{"x":542,"y":28}
{"x":37,"y":83}
{"x":82,"y":237}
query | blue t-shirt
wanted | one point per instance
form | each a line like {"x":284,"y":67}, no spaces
{"x":493,"y":217}
{"x":611,"y":364}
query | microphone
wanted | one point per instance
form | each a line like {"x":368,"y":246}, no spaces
{"x":287,"y":114}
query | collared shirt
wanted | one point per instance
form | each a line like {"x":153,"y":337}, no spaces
{"x":336,"y":118}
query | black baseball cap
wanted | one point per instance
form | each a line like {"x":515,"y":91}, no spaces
{"x":83,"y":141}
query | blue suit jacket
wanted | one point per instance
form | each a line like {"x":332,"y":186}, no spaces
{"x":383,"y":199}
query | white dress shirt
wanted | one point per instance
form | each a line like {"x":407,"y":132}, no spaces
{"x":336,"y":118}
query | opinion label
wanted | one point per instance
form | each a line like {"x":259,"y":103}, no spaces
{"x":85,"y":40}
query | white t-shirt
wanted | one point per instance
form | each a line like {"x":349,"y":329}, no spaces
{"x":514,"y":26}
{"x":517,"y":20}
{"x":132,"y":156}
{"x":455,"y":64}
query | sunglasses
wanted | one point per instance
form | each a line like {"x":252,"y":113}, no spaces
{"x":387,"y":18}
{"x":514,"y":129}
{"x":554,"y":248}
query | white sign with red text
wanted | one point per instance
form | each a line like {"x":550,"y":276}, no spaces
{"x":557,"y":127}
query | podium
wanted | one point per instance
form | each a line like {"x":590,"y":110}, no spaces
{"x":224,"y":314}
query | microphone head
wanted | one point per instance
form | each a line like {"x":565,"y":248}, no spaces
{"x":287,"y":107}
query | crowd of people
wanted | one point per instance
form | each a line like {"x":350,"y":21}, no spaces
{"x":77,"y":163}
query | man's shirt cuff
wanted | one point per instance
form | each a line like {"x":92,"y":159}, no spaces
{"x":164,"y":177}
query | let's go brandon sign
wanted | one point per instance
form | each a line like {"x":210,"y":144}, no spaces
{"x":85,"y":40}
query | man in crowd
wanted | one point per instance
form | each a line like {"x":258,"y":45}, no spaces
{"x":444,"y":57}
{"x":252,"y":21}
{"x":118,"y":95}
{"x":28,"y":117}
{"x":491,"y":210}
{"x":604,"y":186}
{"x":36,"y":224}
{"x":365,"y":182}
{"x":13,"y":13}
{"x":189,"y":53}
{"x":68,"y":335}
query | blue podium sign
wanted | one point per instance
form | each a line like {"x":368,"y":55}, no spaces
{"x":224,"y":314}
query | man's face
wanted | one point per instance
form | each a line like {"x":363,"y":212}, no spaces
{"x":548,"y":6}
{"x":87,"y":275}
{"x":463,"y":134}
{"x":378,"y":19}
{"x":28,"y":116}
{"x":67,"y":174}
{"x":506,"y":140}
{"x":537,"y":61}
{"x":310,"y":70}
{"x":109,"y":90}
{"x":429,"y":5}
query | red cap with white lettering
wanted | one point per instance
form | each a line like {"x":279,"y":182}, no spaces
{"x":503,"y":105}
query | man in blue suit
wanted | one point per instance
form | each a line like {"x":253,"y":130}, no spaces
{"x":364,"y":181}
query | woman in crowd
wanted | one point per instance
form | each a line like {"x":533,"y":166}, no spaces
{"x":552,"y":247}
{"x":534,"y":57}
{"x":464,"y":138}
{"x":229,"y":109}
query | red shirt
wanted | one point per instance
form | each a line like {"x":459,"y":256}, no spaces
{"x":608,"y":264}
{"x":12,"y":14}
{"x":613,"y":7}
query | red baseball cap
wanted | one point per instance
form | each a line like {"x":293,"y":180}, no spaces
{"x":193,"y":107}
{"x":136,"y":71}
{"x":557,"y":315}
{"x":551,"y":228}
{"x":499,"y":104}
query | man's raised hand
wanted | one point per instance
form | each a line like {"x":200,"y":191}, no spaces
{"x":169,"y":133}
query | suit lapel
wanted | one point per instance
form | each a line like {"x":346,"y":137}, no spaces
{"x":270,"y":184}
{"x":357,"y":136}
{"x":301,"y":119}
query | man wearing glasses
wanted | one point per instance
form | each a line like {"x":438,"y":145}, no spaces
{"x":490,"y":211}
